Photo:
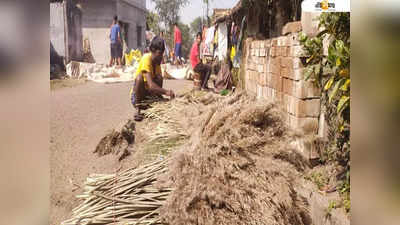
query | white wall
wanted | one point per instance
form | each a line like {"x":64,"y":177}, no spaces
{"x":57,"y":28}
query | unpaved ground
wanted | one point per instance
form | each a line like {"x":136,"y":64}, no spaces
{"x":65,"y":83}
{"x":80,"y":116}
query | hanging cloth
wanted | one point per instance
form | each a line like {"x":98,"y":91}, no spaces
{"x":238,"y":57}
{"x":222,"y":41}
{"x":210,"y":35}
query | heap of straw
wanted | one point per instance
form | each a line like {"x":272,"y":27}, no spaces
{"x":125,"y":198}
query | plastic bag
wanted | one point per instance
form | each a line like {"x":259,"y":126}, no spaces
{"x":133,"y":55}
{"x":233,"y":53}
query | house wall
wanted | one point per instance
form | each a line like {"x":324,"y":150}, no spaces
{"x":135,"y":16}
{"x":57,"y":35}
{"x":274,"y":71}
{"x":73,"y":31}
{"x":97,"y":19}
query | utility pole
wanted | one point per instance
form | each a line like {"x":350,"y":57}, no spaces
{"x":208,"y":18}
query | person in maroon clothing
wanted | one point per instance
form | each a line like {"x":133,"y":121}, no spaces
{"x":203,"y":69}
{"x":178,"y":43}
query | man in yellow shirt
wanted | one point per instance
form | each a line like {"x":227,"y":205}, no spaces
{"x":147,"y":79}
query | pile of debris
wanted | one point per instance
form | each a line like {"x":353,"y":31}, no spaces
{"x":118,"y":142}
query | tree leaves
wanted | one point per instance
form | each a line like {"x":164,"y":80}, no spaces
{"x":168,"y":10}
{"x":343,"y":102}
{"x":344,"y":73}
{"x":329,"y":83}
{"x":335,"y":89}
{"x":346,"y":85}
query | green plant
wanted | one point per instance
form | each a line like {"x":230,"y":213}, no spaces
{"x":330,"y":70}
{"x":224,"y":92}
{"x":332,"y":205}
{"x":318,"y":179}
{"x":345,"y":191}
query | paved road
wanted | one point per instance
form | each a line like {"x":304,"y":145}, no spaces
{"x":80,"y":117}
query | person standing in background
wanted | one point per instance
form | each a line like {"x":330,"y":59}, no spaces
{"x":177,"y":43}
{"x":115,"y":37}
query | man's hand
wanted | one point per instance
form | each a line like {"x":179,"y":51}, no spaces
{"x":170,"y":93}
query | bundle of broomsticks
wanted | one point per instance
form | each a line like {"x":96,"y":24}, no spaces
{"x":125,"y":198}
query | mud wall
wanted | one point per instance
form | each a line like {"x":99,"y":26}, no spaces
{"x":274,"y":71}
{"x":97,"y":19}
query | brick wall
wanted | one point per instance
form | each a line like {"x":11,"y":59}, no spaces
{"x":274,"y":71}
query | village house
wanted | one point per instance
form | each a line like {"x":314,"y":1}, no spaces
{"x":79,"y":26}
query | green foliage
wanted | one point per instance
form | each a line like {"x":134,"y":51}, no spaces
{"x":153,"y":22}
{"x":195,"y":25}
{"x":345,"y":192}
{"x":318,"y":179}
{"x":224,"y":92}
{"x":235,"y":76}
{"x":168,"y":10}
{"x":187,"y":39}
{"x":331,"y":72}
{"x":332,"y":205}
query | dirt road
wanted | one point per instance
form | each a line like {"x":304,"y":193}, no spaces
{"x":80,"y":117}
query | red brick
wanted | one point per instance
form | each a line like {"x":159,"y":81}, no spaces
{"x":281,"y":41}
{"x":253,"y":66}
{"x":293,"y":39}
{"x":294,"y":74}
{"x":263,"y":79}
{"x":274,"y":42}
{"x":274,"y":81}
{"x":273,"y":51}
{"x":260,"y":68}
{"x":279,"y":96}
{"x":257,"y":77}
{"x":300,"y":89}
{"x":291,"y":27}
{"x":254,"y":75}
{"x":303,"y":124}
{"x":297,"y":51}
{"x":250,"y":75}
{"x":301,"y":108}
{"x":287,"y":62}
{"x":273,"y":66}
{"x":297,"y":64}
{"x":265,"y":92}
{"x":259,"y":91}
{"x":285,"y":51}
{"x":263,"y":52}
{"x":267,"y":43}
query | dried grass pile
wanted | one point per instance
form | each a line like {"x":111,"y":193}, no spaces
{"x":126,"y":198}
{"x":235,"y":168}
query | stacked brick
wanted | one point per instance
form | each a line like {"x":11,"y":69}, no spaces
{"x":274,"y":71}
